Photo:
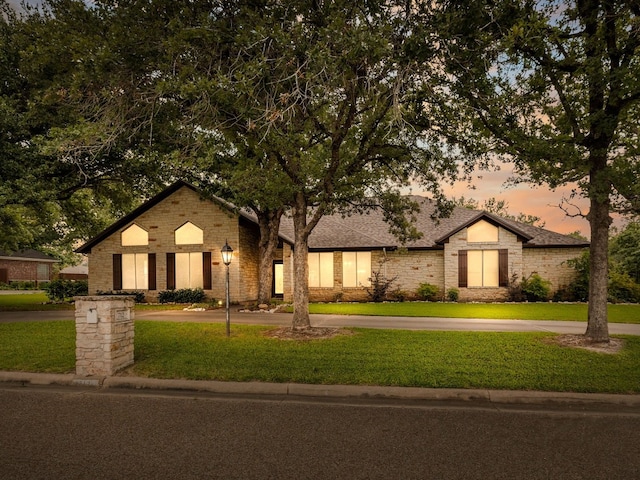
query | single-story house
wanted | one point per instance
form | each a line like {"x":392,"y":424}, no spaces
{"x":26,"y":266}
{"x":174,"y":241}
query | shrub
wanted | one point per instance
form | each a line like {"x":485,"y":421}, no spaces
{"x":60,"y":290}
{"x":622,"y":288}
{"x":429,"y":292}
{"x":453,"y":294}
{"x":380,"y":285}
{"x":514,"y":290}
{"x":185,"y":295}
{"x":399,"y":295}
{"x":536,"y":289}
{"x":139,"y":296}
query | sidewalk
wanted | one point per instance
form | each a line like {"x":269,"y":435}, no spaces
{"x":494,"y":398}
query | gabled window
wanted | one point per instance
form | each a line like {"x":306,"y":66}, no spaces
{"x":482,"y":231}
{"x":356,"y":269}
{"x":134,"y":236}
{"x":189,"y":234}
{"x":320,"y":269}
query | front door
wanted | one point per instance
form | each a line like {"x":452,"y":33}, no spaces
{"x":278,"y":279}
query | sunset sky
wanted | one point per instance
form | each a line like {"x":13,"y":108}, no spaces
{"x":524,"y":198}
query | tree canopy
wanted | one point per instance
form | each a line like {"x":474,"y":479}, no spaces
{"x":555,"y":88}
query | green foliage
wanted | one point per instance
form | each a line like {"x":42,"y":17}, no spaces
{"x":453,"y":294}
{"x":624,"y":251}
{"x":60,"y":290}
{"x":623,"y":288}
{"x":185,"y":295}
{"x":139,"y":296}
{"x":380,"y":284}
{"x":536,"y":289}
{"x":428,"y":292}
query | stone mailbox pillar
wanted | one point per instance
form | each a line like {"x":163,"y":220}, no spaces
{"x":104,"y":334}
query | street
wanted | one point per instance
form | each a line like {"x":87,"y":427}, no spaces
{"x":72,"y":432}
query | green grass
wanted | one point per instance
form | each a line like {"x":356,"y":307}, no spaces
{"x":30,"y":302}
{"x":520,"y":311}
{"x":519,"y":361}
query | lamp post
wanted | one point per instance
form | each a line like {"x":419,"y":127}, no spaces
{"x":227,"y":255}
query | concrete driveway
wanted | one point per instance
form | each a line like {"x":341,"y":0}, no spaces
{"x":402,"y":323}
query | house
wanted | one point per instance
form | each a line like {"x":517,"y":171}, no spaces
{"x":173,"y":241}
{"x":26,"y":266}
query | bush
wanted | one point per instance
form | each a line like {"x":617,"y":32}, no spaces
{"x":399,"y":295}
{"x":623,"y":289}
{"x":453,"y":294}
{"x":60,"y":290}
{"x":139,"y":296}
{"x":429,"y":292}
{"x":536,"y":289}
{"x":185,"y":295}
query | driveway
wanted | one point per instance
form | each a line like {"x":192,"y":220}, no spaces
{"x":402,"y":323}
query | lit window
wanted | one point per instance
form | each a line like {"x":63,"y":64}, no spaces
{"x":320,"y":269}
{"x":135,"y":271}
{"x":482,"y":232}
{"x":189,"y":234}
{"x":483,"y":268}
{"x":189,"y":272}
{"x":356,"y":269}
{"x":135,"y":235}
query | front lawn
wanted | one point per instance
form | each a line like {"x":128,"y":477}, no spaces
{"x":28,"y":302}
{"x":520,"y":361}
{"x":519,"y":311}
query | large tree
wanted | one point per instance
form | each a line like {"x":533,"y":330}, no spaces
{"x":555,"y":88}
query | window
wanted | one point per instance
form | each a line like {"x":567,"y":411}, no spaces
{"x":189,"y":234}
{"x":134,"y":235}
{"x":356,"y":269}
{"x":189,"y":270}
{"x":320,"y":269}
{"x":483,"y":268}
{"x":482,"y":231}
{"x":135,"y":271}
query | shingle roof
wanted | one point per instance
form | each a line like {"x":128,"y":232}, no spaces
{"x":28,"y":254}
{"x":369,"y":230}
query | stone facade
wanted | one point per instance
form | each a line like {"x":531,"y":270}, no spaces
{"x":160,"y":221}
{"x":104,"y":334}
{"x":551,"y":264}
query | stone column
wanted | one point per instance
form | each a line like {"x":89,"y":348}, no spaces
{"x":104,"y":334}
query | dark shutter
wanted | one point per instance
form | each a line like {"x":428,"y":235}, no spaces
{"x":206,"y":270}
{"x":503,"y":268}
{"x":462,"y":268}
{"x":117,"y":271}
{"x":152,"y":271}
{"x":171,"y":271}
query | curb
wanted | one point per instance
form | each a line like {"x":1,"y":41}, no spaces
{"x":495,"y":397}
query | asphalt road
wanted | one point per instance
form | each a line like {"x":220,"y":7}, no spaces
{"x":65,"y":432}
{"x":405,"y":323}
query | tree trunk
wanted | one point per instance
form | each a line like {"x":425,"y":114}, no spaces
{"x":269,"y":222}
{"x":599,"y":221}
{"x":300,"y":266}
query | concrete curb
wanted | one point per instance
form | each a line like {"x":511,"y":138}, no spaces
{"x":495,"y":397}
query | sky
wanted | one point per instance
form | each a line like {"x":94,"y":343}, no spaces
{"x":524,"y":198}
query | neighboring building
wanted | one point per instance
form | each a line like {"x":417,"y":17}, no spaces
{"x":26,"y":266}
{"x":174,"y":241}
{"x":75,"y":272}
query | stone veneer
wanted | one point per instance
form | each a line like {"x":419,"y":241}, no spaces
{"x":161,"y":221}
{"x":551,"y":264}
{"x":104,"y":334}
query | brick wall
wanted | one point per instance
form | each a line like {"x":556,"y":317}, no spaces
{"x":161,"y":221}
{"x":25,"y":270}
{"x":550,"y":264}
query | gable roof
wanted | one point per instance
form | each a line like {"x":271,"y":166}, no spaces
{"x":164,"y":194}
{"x":368,"y":230}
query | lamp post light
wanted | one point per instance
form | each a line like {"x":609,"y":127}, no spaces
{"x":227,"y":255}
